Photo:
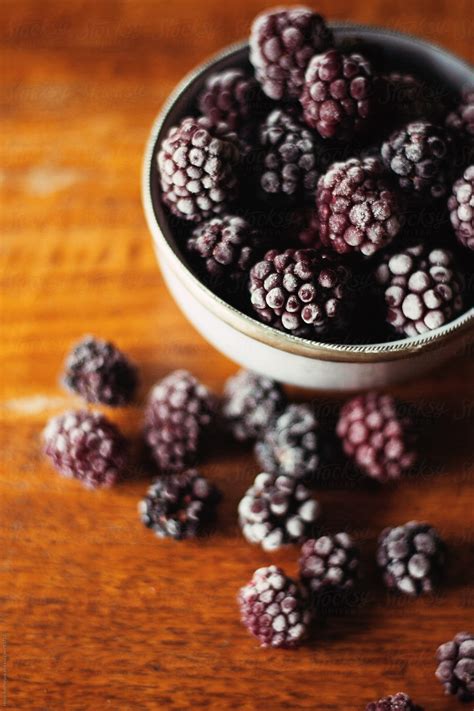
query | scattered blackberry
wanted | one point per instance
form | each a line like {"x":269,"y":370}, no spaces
{"x":232,"y":97}
{"x":461,"y":120}
{"x":358,"y":209}
{"x":337,"y":94}
{"x":329,"y":562}
{"x":86,"y":446}
{"x":251,"y":403}
{"x":411,"y":557}
{"x":461,"y":208}
{"x":228,"y":246}
{"x":423,"y":289}
{"x":277,"y":510}
{"x":418,"y":156}
{"x":197,"y":163}
{"x":282,"y":41}
{"x":302,"y":291}
{"x":456,"y":666}
{"x":273,"y":609}
{"x":288,"y":161}
{"x":377,"y":436}
{"x":179,"y":506}
{"x":291,"y":445}
{"x":398,"y":702}
{"x":179,"y":410}
{"x":97,"y":371}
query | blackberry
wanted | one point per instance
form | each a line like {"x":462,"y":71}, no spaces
{"x":282,"y":41}
{"x":251,"y":403}
{"x":411,"y":558}
{"x":357,"y":208}
{"x":97,"y":371}
{"x":198,"y":164}
{"x":337,"y":95}
{"x":418,"y":157}
{"x":232,"y":97}
{"x":377,"y":436}
{"x":179,"y":410}
{"x":273,"y":609}
{"x":329,"y":562}
{"x":291,"y":445}
{"x":398,"y":702}
{"x":456,"y":666}
{"x":277,"y":510}
{"x":422,"y":287}
{"x":461,"y":208}
{"x":179,"y":506}
{"x":305,"y":291}
{"x":288,"y":158}
{"x":227,"y":246}
{"x":85,"y":446}
{"x":461,"y":120}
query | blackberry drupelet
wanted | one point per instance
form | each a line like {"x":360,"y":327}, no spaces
{"x":179,"y":506}
{"x":422,"y":287}
{"x":273,"y":609}
{"x":85,"y":446}
{"x":411,"y":558}
{"x":232,"y":97}
{"x":461,"y":208}
{"x":456,"y":666}
{"x":397,"y":702}
{"x":329,"y":562}
{"x":282,"y":41}
{"x":277,"y":510}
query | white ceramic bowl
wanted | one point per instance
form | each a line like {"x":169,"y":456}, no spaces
{"x":254,"y":345}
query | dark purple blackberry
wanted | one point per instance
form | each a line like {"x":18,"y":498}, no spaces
{"x":288,"y":157}
{"x":337,"y":95}
{"x":418,"y":156}
{"x":228,"y":246}
{"x":277,"y":510}
{"x":179,"y":506}
{"x":329,"y":562}
{"x":398,"y":702}
{"x":291,"y":445}
{"x":197,"y":163}
{"x":179,"y":410}
{"x":97,"y":371}
{"x":251,"y":403}
{"x":302,"y":291}
{"x":85,"y":446}
{"x":411,"y":558}
{"x":422,"y":287}
{"x":456,"y":666}
{"x":377,"y":436}
{"x":232,"y":97}
{"x":461,"y":208}
{"x":273,"y":609}
{"x":461,"y":120}
{"x":282,"y":41}
{"x":357,"y":208}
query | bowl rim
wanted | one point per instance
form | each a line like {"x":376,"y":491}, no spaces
{"x":166,"y":246}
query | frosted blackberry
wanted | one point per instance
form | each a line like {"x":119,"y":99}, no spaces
{"x":329,"y":562}
{"x":232,"y":97}
{"x":461,"y":208}
{"x":377,"y":436}
{"x":179,"y":506}
{"x":251,"y":403}
{"x":97,"y":371}
{"x":337,"y":97}
{"x":302,"y":291}
{"x":411,"y":558}
{"x":273,"y":609}
{"x":422,"y":287}
{"x":85,"y":446}
{"x":277,"y":510}
{"x":418,"y":156}
{"x":461,"y":120}
{"x":179,"y":411}
{"x":397,"y":702}
{"x":197,"y":163}
{"x":358,"y":209}
{"x":291,"y":445}
{"x":456,"y":666}
{"x":282,"y":41}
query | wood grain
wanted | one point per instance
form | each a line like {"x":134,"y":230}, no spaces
{"x":95,"y":613}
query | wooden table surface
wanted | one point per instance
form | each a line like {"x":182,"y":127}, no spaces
{"x":95,"y":613}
